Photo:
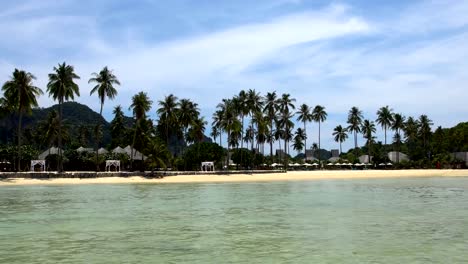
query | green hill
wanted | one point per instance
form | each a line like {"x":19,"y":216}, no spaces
{"x":75,"y":115}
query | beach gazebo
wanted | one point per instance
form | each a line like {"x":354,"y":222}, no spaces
{"x":207,"y":166}
{"x":41,"y":163}
{"x":112,"y":163}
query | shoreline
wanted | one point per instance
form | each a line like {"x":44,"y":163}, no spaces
{"x":196,"y":177}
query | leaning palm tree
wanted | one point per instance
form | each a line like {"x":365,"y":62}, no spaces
{"x":340,"y":134}
{"x":397,"y":125}
{"x":61,"y":87}
{"x":305,"y":116}
{"x":105,"y":81}
{"x":355,"y":121}
{"x":140,"y":105}
{"x":319,"y":115}
{"x":21,"y":94}
{"x":385,"y":119}
{"x":368,"y":128}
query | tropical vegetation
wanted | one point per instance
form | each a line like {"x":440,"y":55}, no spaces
{"x":240,"y":127}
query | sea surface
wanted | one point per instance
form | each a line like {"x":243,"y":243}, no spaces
{"x":411,"y":220}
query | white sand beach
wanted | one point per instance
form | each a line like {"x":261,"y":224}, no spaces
{"x":200,"y":178}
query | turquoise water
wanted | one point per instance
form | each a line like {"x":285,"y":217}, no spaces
{"x":420,"y":220}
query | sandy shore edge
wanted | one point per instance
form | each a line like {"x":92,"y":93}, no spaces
{"x":289,"y":176}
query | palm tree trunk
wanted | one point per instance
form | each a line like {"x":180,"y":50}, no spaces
{"x":19,"y":139}
{"x":340,"y":147}
{"x":227,"y":156}
{"x":133,"y":144}
{"x":369,"y":151}
{"x":97,"y":141}
{"x":385,"y":132}
{"x":305,"y":143}
{"x":319,"y":143}
{"x":242,"y":140}
{"x":60,"y":164}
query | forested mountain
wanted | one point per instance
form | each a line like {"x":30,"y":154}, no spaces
{"x":78,"y":118}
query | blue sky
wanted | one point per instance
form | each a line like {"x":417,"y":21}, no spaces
{"x":410,"y":55}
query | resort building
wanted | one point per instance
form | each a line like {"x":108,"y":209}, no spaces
{"x":335,"y":153}
{"x":463,"y":156}
{"x":396,"y":157}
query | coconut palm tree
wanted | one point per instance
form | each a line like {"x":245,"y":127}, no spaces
{"x":270,"y":109}
{"x":411,"y":129}
{"x":355,"y":121}
{"x":188,"y":112}
{"x":340,"y":135}
{"x":254,"y":105}
{"x":305,"y":116}
{"x":197,"y":130}
{"x":242,"y":109}
{"x":425,"y":129}
{"x":20,"y":93}
{"x":141,"y":104}
{"x":117,"y":127}
{"x":228,"y":122}
{"x":168,"y":113}
{"x":319,"y":115}
{"x":215,"y":133}
{"x":368,"y":128}
{"x":105,"y":81}
{"x":217,"y":123}
{"x":299,"y":138}
{"x":286,"y":103}
{"x":385,"y":119}
{"x":61,"y":87}
{"x":286,"y":126}
{"x":397,"y":125}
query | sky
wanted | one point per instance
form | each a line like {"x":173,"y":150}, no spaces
{"x":410,"y":55}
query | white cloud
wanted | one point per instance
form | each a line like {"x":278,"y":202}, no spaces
{"x":329,"y":56}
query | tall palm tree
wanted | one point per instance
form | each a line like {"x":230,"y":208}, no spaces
{"x":141,"y":104}
{"x":425,"y":130}
{"x":217,"y":123}
{"x":340,"y":135}
{"x":385,"y":119}
{"x":228,"y":122}
{"x":197,"y":130}
{"x":168,"y":113}
{"x":61,"y":87}
{"x":368,"y":128}
{"x":305,"y":116}
{"x":188,"y":113}
{"x":242,"y":109}
{"x":215,"y":133}
{"x":270,"y":109}
{"x":411,"y":129}
{"x":319,"y":115}
{"x":299,"y":138}
{"x":254,"y":104}
{"x":105,"y":81}
{"x":397,"y":125}
{"x":355,"y":121}
{"x":286,"y":126}
{"x":117,"y":127}
{"x":20,"y":93}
